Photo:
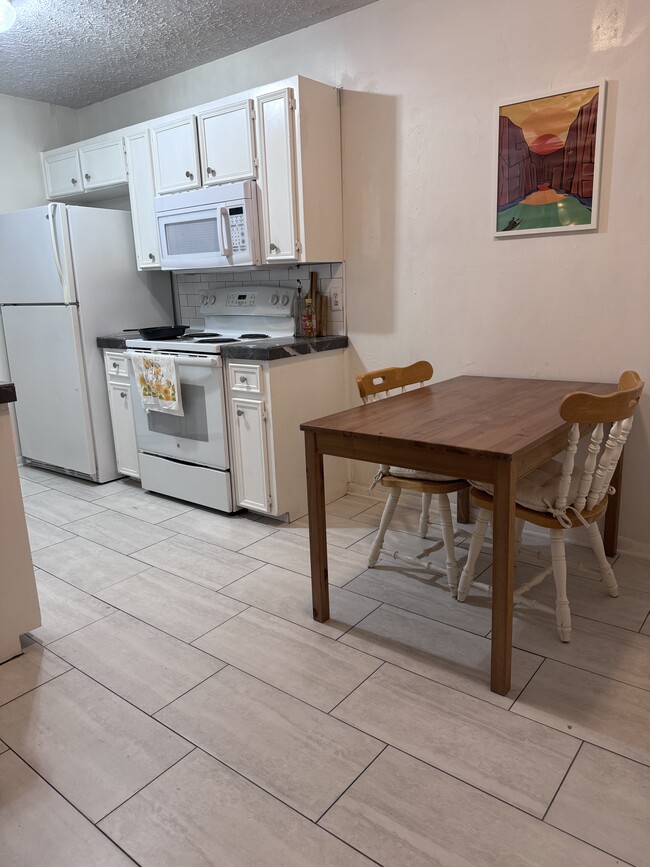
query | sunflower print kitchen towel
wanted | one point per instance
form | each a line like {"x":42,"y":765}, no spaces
{"x":157,"y":379}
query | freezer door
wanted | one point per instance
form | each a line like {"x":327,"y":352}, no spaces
{"x":46,"y":364}
{"x":35,"y":257}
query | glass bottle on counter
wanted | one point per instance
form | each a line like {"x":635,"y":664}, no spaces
{"x":309,"y":318}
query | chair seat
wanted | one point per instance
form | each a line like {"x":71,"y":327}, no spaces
{"x":419,"y":475}
{"x":543,"y":518}
{"x":539,"y":488}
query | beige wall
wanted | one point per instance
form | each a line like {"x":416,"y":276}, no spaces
{"x":27,"y":128}
{"x":425,"y":277}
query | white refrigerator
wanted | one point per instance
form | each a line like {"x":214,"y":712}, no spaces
{"x":68,"y":275}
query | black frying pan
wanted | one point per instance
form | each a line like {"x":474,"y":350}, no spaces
{"x":162,"y":332}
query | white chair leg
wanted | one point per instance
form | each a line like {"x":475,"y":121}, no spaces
{"x":386,"y":518}
{"x":562,"y":610}
{"x":606,"y":571}
{"x":424,"y":516}
{"x":478,"y":537}
{"x":448,"y":538}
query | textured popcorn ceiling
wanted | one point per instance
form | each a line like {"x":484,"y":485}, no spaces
{"x":77,"y":52}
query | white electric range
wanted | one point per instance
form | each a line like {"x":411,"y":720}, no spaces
{"x":188,"y":456}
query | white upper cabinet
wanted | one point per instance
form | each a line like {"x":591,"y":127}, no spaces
{"x":227,"y":143}
{"x":176,"y":156}
{"x":102,"y":164}
{"x":276,"y":136}
{"x":62,"y":174}
{"x":141,"y":193}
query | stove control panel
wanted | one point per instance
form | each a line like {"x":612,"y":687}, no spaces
{"x":248,"y":301}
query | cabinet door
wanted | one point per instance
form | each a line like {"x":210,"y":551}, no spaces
{"x":275,"y":129}
{"x":250,"y":458}
{"x":142,"y":192}
{"x":103,"y":164}
{"x":176,"y":156}
{"x":126,"y":450}
{"x":227,"y":144}
{"x":62,"y":174}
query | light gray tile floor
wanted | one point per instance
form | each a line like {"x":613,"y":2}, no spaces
{"x":187,"y":709}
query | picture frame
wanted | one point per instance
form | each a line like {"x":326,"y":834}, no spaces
{"x":548,"y":162}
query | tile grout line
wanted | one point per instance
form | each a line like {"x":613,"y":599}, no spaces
{"x":566,"y":774}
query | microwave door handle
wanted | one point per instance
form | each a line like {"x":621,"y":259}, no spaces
{"x":224,"y":236}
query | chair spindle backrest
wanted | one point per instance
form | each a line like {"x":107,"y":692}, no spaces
{"x":616,"y":409}
{"x":379,"y":383}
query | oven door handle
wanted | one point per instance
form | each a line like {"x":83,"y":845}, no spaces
{"x":195,"y":361}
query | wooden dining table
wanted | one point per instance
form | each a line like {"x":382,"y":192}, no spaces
{"x":491,"y":429}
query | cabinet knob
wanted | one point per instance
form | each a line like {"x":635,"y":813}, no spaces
{"x":189,"y":175}
{"x":240,"y":412}
{"x":115,"y":364}
{"x":210,"y":171}
{"x":272,"y":247}
{"x":74,"y":181}
{"x":152,"y":257}
{"x":243,"y":379}
{"x":122,"y":394}
{"x":87,"y":176}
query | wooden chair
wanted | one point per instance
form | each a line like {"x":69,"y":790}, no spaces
{"x":378,"y":384}
{"x":563,"y":495}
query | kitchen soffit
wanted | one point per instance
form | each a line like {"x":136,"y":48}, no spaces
{"x":78,"y":52}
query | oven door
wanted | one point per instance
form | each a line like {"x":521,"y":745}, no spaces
{"x":199,"y":435}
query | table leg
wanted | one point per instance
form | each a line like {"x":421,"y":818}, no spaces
{"x":462,"y":506}
{"x":503,"y":529}
{"x":317,"y":527}
{"x":610,"y":530}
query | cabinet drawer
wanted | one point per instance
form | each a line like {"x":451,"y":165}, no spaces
{"x":245,"y":377}
{"x":116,"y":364}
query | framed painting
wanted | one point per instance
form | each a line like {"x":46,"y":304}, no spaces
{"x":549,"y":163}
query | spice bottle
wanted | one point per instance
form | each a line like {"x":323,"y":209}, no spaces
{"x":309,"y":318}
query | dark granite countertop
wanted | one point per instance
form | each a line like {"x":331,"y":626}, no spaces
{"x":7,"y":392}
{"x":115,"y":341}
{"x":281,"y":347}
{"x":258,"y":350}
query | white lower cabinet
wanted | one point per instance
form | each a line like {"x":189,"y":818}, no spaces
{"x":268,"y":401}
{"x":119,"y":396}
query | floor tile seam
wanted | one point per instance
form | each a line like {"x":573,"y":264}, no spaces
{"x":619,"y":859}
{"x":139,"y":517}
{"x":77,"y":587}
{"x":264,"y":792}
{"x":185,"y":644}
{"x":308,"y":631}
{"x":645,"y":622}
{"x":416,"y":613}
{"x":439,"y":682}
{"x":347,"y":547}
{"x":634,"y":631}
{"x":216,"y":544}
{"x":38,"y":685}
{"x":186,"y":692}
{"x":72,"y":632}
{"x":347,"y":788}
{"x":260,"y":786}
{"x":581,"y":668}
{"x":298,"y":698}
{"x":168,"y":569}
{"x":565,"y":775}
{"x":583,"y":738}
{"x":134,"y":794}
{"x":69,"y":802}
{"x":257,"y":607}
{"x":126,"y":700}
{"x":492,"y":796}
{"x":352,"y":691}
{"x":102,"y":544}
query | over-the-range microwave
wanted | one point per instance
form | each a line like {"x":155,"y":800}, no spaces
{"x":214,"y":227}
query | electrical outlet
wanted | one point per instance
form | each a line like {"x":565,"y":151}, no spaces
{"x":335,"y":299}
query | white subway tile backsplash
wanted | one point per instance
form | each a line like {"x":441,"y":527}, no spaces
{"x":190,"y":288}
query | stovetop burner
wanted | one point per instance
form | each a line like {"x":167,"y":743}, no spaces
{"x":253,"y":336}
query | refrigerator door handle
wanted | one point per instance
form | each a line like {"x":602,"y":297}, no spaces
{"x":51,"y":213}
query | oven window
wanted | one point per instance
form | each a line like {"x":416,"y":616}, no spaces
{"x":191,"y":426}
{"x":193,"y":236}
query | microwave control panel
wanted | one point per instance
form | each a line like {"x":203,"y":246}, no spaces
{"x":238,"y":229}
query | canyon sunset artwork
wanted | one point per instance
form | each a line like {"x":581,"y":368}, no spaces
{"x":548,"y":162}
